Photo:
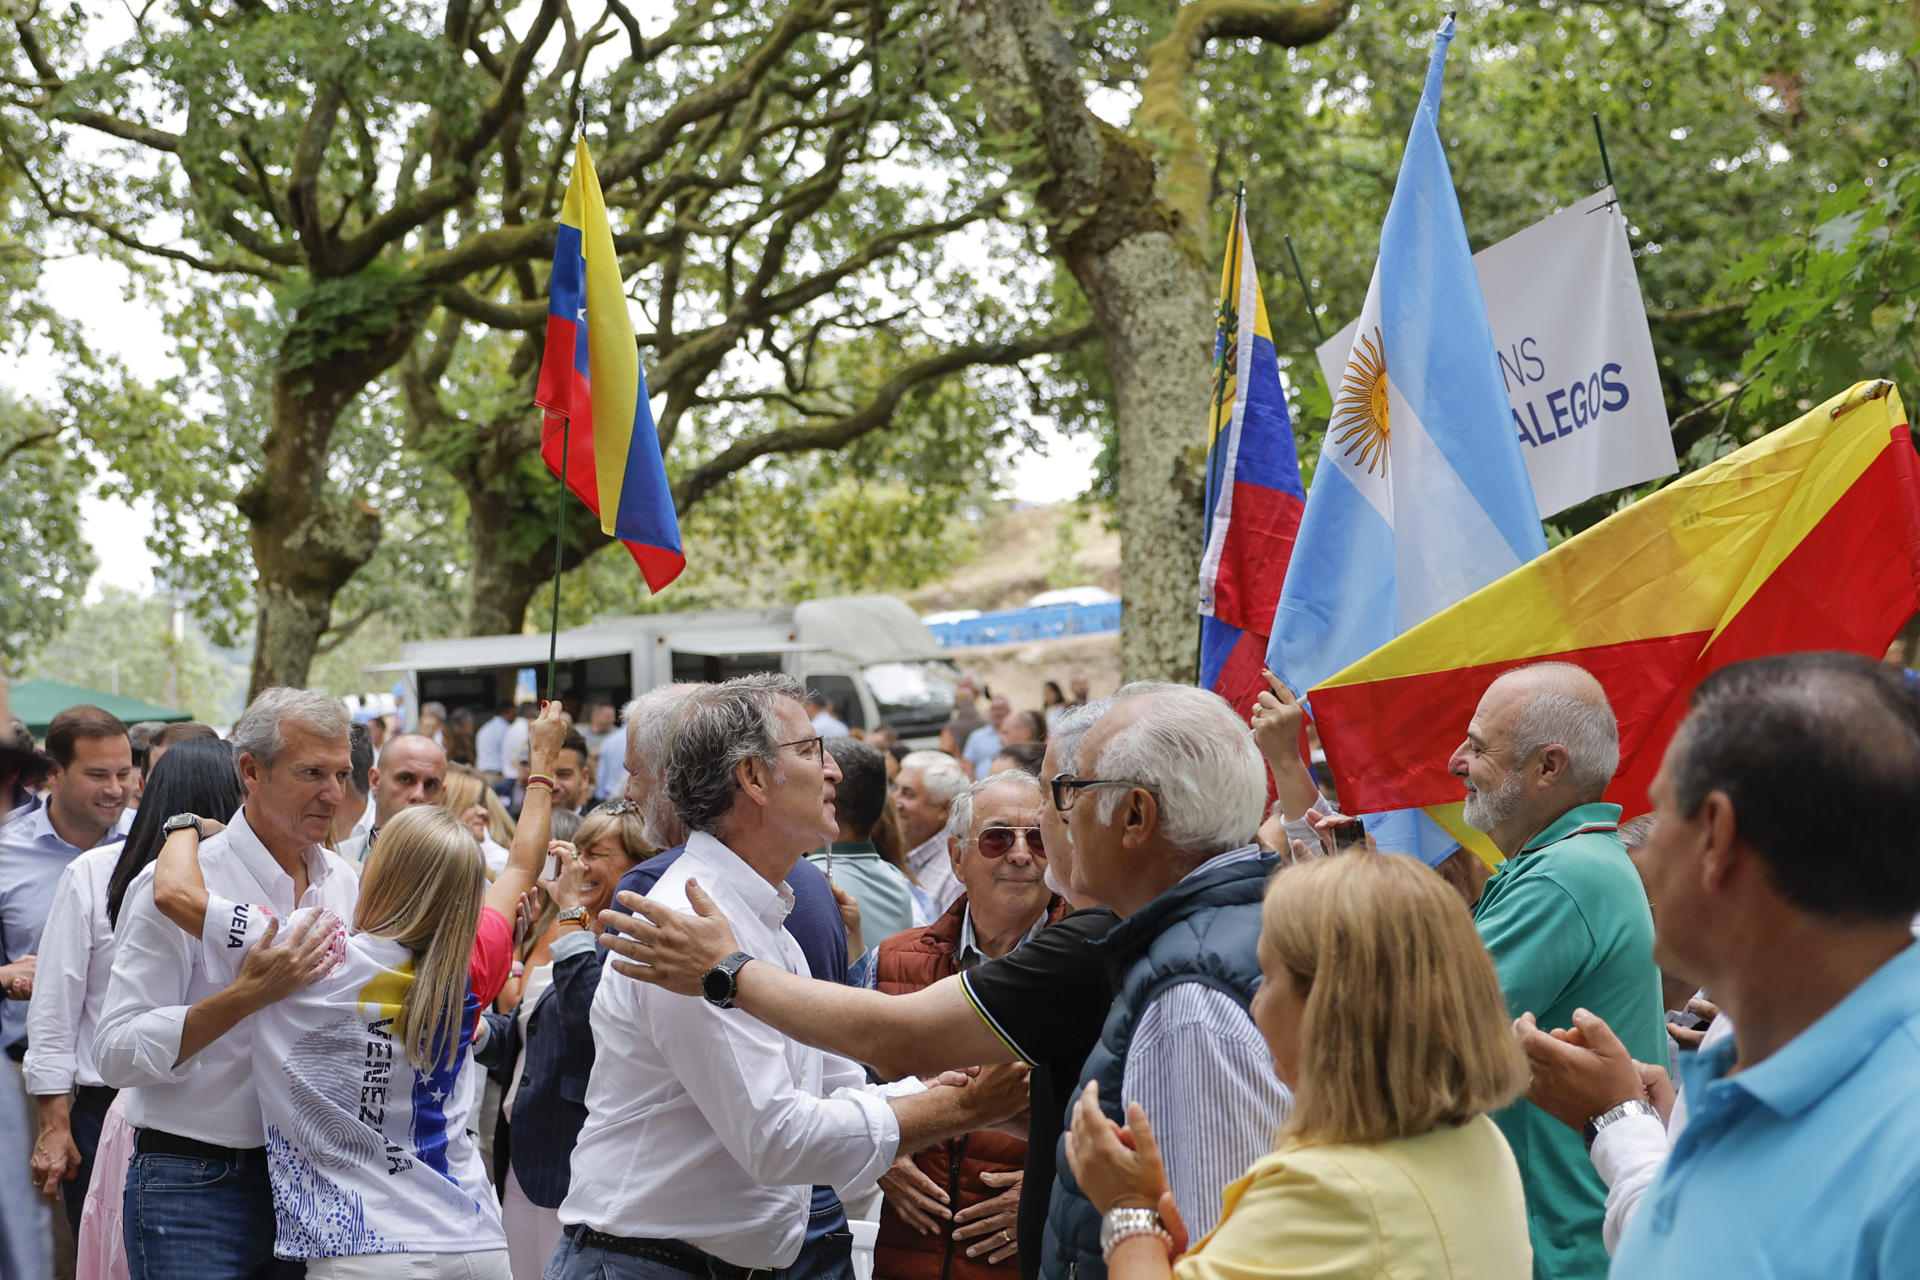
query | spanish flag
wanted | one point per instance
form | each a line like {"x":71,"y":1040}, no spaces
{"x":590,"y":374}
{"x":1808,"y":538}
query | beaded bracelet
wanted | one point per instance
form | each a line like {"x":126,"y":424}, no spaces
{"x":541,"y":779}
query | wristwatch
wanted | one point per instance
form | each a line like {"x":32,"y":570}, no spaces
{"x":181,"y":821}
{"x":573,"y":915}
{"x":1123,"y":1223}
{"x":722,"y":982}
{"x":1631,"y":1107}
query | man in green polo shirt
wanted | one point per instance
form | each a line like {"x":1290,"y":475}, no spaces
{"x":1565,"y":919}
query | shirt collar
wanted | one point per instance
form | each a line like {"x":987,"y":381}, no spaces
{"x":968,"y":949}
{"x":265,"y":868}
{"x":1598,"y":815}
{"x":923,"y":853}
{"x":1227,"y":859}
{"x":40,"y":828}
{"x":853,"y":849}
{"x":727,"y":869}
{"x":1816,"y":1061}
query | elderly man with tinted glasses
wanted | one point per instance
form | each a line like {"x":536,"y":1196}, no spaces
{"x":999,"y":858}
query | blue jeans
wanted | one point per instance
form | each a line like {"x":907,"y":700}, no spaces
{"x":195,"y":1218}
{"x":828,"y":1252}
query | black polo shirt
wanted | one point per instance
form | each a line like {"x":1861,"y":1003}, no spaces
{"x":1047,"y":1001}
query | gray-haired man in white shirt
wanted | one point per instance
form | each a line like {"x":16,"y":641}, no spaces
{"x":198,"y":1200}
{"x":705,"y":1128}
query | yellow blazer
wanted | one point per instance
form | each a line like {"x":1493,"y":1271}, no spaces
{"x":1445,"y":1204}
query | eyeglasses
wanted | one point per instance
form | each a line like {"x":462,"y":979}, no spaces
{"x":997,"y":842}
{"x":1066,"y":786}
{"x":808,"y":748}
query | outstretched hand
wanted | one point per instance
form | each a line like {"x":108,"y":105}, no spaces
{"x":668,"y":948}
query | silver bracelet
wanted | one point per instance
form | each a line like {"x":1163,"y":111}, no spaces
{"x":1125,"y":1223}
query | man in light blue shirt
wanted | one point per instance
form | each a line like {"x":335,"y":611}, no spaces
{"x":1783,"y":878}
{"x":983,"y":744}
{"x":490,"y":742}
{"x":87,"y":795}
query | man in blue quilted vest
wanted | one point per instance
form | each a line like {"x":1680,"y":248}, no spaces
{"x":1166,"y":795}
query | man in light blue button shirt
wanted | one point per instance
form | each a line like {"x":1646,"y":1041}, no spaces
{"x":1784,"y":879}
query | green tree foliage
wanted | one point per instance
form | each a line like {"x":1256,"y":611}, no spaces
{"x":127,"y":641}
{"x":351,"y":197}
{"x":48,"y":560}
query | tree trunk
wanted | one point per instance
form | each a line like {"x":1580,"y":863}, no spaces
{"x":511,"y":525}
{"x":1143,"y":274}
{"x":307,"y":544}
{"x":1149,"y":296}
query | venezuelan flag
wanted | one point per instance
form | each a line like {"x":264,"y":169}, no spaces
{"x":1254,"y":494}
{"x":1806,"y":539}
{"x":590,"y":375}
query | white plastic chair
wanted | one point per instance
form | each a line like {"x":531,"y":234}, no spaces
{"x":864,"y":1234}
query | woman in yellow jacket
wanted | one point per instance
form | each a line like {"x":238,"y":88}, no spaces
{"x":1384,"y":1017}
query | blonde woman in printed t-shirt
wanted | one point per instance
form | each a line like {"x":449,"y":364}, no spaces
{"x":373,"y":1171}
{"x":1384,"y":1016}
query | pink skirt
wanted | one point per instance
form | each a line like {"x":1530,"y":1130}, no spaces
{"x":100,"y":1250}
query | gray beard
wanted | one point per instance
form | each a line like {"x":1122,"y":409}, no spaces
{"x":1484,"y":812}
{"x":1055,"y":885}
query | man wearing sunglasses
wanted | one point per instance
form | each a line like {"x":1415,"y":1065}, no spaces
{"x":998,"y":855}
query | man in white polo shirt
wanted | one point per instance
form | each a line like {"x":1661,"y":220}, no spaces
{"x":198,"y":1203}
{"x":706,"y":1128}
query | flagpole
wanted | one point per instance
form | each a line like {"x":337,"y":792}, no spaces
{"x":559,"y":555}
{"x":1219,"y":400}
{"x":1313,"y":313}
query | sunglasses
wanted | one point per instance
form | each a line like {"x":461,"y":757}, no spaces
{"x":997,"y":842}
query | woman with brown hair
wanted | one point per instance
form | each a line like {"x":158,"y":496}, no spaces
{"x":1384,"y":1017}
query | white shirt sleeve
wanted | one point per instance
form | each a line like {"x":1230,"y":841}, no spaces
{"x":138,"y":1039}
{"x":1302,"y":830}
{"x":228,"y":932}
{"x":735,"y":1069}
{"x":1629,"y":1154}
{"x":1200,"y":1068}
{"x":59,"y":989}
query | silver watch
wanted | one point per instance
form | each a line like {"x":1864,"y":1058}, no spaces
{"x":1631,"y":1107}
{"x":1125,"y":1222}
{"x":572,"y":913}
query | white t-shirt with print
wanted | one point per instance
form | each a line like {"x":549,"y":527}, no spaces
{"x":366,"y":1154}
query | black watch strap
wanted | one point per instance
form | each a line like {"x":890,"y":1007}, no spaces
{"x":180,"y":822}
{"x":722,"y":982}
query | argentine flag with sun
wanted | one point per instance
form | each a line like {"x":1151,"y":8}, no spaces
{"x":1421,"y":494}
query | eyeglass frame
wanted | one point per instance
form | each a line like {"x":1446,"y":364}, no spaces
{"x":1069,"y":785}
{"x":1029,"y":836}
{"x":819,"y":752}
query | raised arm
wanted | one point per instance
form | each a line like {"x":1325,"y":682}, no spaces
{"x":529,"y":850}
{"x":919,"y":1033}
{"x":179,"y":890}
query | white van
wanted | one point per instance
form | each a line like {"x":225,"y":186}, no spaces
{"x":870,"y":656}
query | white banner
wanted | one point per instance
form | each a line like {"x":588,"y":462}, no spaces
{"x":1571,"y":333}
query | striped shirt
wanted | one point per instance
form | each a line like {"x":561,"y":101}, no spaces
{"x":1204,"y":1075}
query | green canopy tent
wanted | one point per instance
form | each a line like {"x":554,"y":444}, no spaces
{"x":37,"y":702}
